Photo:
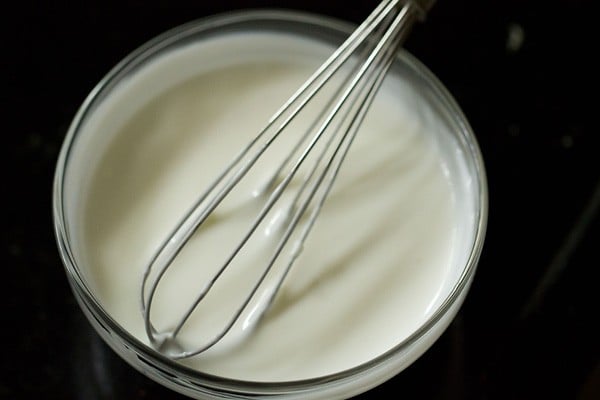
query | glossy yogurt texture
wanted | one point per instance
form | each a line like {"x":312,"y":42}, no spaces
{"x":387,"y":248}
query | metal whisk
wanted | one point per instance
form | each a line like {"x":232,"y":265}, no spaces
{"x":370,"y":51}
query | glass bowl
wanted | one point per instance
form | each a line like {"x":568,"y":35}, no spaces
{"x":70,"y":172}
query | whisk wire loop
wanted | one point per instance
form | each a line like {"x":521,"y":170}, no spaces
{"x":380,"y":35}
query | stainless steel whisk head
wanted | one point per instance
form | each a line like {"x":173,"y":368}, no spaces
{"x":363,"y":60}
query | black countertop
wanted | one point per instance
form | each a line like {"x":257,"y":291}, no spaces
{"x":522,"y":73}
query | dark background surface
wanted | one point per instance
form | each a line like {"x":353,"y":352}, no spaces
{"x":522,"y":73}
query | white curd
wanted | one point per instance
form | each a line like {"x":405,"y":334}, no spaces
{"x":385,"y":252}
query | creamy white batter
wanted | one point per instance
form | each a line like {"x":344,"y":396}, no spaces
{"x":385,"y":252}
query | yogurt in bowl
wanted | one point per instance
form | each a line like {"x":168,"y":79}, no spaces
{"x":384,"y":270}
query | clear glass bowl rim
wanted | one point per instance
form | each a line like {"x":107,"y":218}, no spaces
{"x":190,"y":378}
